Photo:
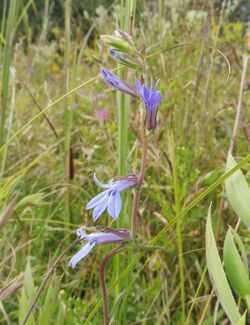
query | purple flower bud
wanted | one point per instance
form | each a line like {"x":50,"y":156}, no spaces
{"x":110,"y":199}
{"x":151,"y":99}
{"x":108,"y":237}
{"x":116,"y":82}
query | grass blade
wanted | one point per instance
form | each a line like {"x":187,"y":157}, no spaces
{"x":218,"y":276}
{"x":238,"y":192}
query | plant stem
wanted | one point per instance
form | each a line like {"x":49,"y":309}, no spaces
{"x":103,"y":284}
{"x":178,"y":223}
{"x":7,"y":55}
{"x":68,"y":112}
{"x":142,"y":174}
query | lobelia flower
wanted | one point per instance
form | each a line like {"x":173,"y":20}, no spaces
{"x":151,"y":99}
{"x":119,"y":84}
{"x":108,"y":237}
{"x":110,"y":199}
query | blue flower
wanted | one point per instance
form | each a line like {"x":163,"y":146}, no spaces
{"x":109,"y":236}
{"x":114,"y":81}
{"x":151,"y":99}
{"x":110,"y":199}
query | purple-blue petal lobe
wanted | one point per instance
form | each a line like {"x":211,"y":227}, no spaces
{"x":115,"y":205}
{"x":84,"y":251}
{"x":100,"y":208}
{"x":98,"y":199}
{"x":100,"y":184}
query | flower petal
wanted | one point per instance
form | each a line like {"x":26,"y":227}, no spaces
{"x":138,"y":86}
{"x":97,"y":200}
{"x":157,"y":84}
{"x":100,"y":184}
{"x":100,"y":208}
{"x":115,"y":205}
{"x":82,"y":253}
{"x":123,"y":185}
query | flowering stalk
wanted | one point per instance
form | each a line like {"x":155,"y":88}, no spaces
{"x":103,"y":283}
{"x":141,"y":175}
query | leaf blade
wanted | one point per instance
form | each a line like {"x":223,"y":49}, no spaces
{"x":238,"y":192}
{"x":218,"y":276}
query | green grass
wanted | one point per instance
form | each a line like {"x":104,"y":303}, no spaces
{"x":184,"y":174}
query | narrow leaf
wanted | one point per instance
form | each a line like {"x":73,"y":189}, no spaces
{"x":28,"y":281}
{"x":6,"y":214}
{"x":242,"y":320}
{"x":218,"y":276}
{"x":238,"y":192}
{"x":23,"y":307}
{"x":235,"y":268}
{"x":51,"y":303}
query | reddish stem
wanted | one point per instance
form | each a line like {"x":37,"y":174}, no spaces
{"x":141,"y":177}
{"x":103,"y":284}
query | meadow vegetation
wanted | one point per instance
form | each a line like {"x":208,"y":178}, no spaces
{"x":50,"y":59}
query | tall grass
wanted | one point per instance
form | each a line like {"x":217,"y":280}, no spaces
{"x":8,"y":34}
{"x":123,"y":109}
{"x":68,"y":112}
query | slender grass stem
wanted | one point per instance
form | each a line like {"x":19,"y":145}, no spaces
{"x":67,"y":113}
{"x":178,"y":223}
{"x":123,"y":106}
{"x":8,"y":49}
{"x":196,"y":295}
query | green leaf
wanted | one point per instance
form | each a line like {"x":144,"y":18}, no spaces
{"x":242,"y":320}
{"x":23,"y":307}
{"x":28,"y":282}
{"x":60,"y":320}
{"x":50,"y":305}
{"x":235,"y":268}
{"x":33,"y":199}
{"x":242,"y":250}
{"x":238,"y":192}
{"x":115,"y":310}
{"x":218,"y":276}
